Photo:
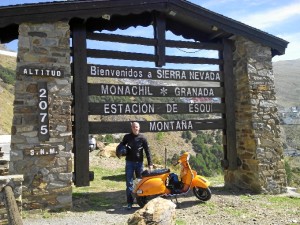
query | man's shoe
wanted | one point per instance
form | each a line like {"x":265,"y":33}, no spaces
{"x":129,"y":206}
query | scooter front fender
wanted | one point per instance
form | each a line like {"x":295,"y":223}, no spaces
{"x":152,"y":186}
{"x":200,"y":181}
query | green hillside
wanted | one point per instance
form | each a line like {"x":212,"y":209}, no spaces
{"x":7,"y":80}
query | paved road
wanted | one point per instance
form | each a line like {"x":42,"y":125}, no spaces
{"x":5,"y":144}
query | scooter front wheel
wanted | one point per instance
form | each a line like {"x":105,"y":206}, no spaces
{"x":203,"y":194}
{"x":141,"y":201}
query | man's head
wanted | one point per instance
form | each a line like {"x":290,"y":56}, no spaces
{"x":135,"y":128}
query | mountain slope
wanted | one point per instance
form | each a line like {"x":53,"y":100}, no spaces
{"x":6,"y":96}
{"x":287,"y":82}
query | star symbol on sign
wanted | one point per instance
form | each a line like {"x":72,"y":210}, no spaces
{"x":164,"y":91}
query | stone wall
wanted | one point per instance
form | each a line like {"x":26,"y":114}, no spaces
{"x":257,"y":125}
{"x":47,"y":176}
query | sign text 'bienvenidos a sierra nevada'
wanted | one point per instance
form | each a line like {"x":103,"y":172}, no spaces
{"x":153,"y":73}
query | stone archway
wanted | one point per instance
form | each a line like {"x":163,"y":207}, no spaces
{"x":42,"y":132}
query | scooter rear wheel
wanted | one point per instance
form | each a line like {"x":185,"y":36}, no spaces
{"x":203,"y":194}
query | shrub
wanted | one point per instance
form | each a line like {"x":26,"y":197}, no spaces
{"x":289,"y":174}
{"x":8,"y":76}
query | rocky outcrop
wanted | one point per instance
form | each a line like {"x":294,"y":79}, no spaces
{"x":158,"y":211}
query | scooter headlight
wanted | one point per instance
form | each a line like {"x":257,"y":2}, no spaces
{"x":139,"y":191}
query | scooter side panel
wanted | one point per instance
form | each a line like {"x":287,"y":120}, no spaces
{"x":200,"y":181}
{"x":152,"y":186}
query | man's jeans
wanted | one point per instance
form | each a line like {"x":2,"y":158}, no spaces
{"x":130,"y":169}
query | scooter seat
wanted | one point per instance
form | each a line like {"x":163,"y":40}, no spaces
{"x":146,"y":173}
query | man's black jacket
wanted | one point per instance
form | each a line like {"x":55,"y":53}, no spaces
{"x":135,"y":146}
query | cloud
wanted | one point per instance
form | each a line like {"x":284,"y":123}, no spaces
{"x":272,"y":17}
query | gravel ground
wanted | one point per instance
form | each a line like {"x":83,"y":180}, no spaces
{"x":225,"y":207}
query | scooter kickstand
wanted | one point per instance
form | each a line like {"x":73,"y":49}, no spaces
{"x":176,"y":200}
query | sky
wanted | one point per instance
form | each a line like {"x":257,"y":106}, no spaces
{"x":277,"y":17}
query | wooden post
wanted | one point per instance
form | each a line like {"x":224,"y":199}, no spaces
{"x":81,"y":131}
{"x":160,"y":37}
{"x":229,"y":86}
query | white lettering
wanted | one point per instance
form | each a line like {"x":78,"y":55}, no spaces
{"x":172,"y":108}
{"x":42,"y":151}
{"x":122,"y":108}
{"x":171,"y":74}
{"x":204,"y":75}
{"x":52,"y":151}
{"x":115,"y":72}
{"x":135,"y":90}
{"x":194,"y":92}
{"x":93,"y":70}
{"x":171,"y":125}
{"x":42,"y":72}
{"x":200,"y":108}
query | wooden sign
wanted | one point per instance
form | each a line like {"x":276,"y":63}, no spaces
{"x":153,"y":91}
{"x":153,"y":73}
{"x":31,"y":71}
{"x":154,"y":108}
{"x":43,"y":111}
{"x":156,"y":126}
{"x":41,"y":151}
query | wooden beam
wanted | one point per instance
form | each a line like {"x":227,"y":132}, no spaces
{"x":156,"y":126}
{"x":153,"y":73}
{"x":193,"y":60}
{"x":154,"y":108}
{"x":121,"y":39}
{"x":152,"y":42}
{"x":94,"y":53}
{"x":106,"y":89}
{"x":120,"y":55}
{"x":80,"y":106}
{"x":194,"y":45}
{"x":229,"y":88}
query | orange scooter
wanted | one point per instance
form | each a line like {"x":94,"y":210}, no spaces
{"x":163,"y":183}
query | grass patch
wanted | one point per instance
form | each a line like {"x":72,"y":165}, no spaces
{"x":211,"y":208}
{"x":280,"y":201}
{"x":6,"y":111}
{"x":235,"y":211}
{"x":276,"y":203}
{"x":180,"y":222}
{"x":106,"y":191}
{"x":105,"y":180}
{"x":38,"y":213}
{"x":216,"y":180}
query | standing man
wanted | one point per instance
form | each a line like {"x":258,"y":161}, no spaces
{"x":135,"y":143}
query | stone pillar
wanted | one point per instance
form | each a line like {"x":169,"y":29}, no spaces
{"x":47,"y":175}
{"x":257,"y":125}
